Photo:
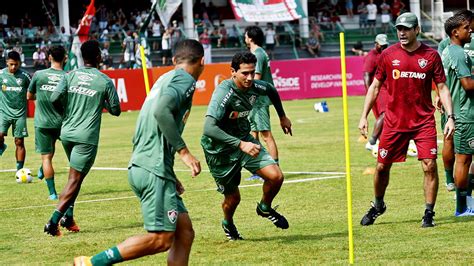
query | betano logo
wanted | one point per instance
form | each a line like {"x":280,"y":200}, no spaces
{"x":396,"y":74}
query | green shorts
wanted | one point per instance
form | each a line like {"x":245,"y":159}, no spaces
{"x":225,"y":168}
{"x":18,"y":126}
{"x":81,"y":156}
{"x":259,"y":119}
{"x":464,"y":138}
{"x":159,"y":199}
{"x":443,"y":121}
{"x":45,"y":138}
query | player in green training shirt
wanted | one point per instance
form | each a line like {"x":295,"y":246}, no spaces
{"x":228,"y":145}
{"x":13,"y":103}
{"x":457,"y":65}
{"x":47,"y":119}
{"x":448,"y":145}
{"x":81,"y":94}
{"x":259,"y":117}
{"x":150,"y":172}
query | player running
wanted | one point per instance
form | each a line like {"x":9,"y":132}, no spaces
{"x":81,"y":94}
{"x":15,"y":82}
{"x":457,"y":65}
{"x":408,"y":69}
{"x":47,"y":119}
{"x":150,"y":172}
{"x":228,"y":145}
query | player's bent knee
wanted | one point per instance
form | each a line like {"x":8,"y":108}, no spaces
{"x":383,"y":168}
{"x":429,"y":165}
{"x":161,"y":241}
{"x":19,"y":142}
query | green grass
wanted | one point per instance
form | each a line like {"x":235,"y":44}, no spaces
{"x":316,"y":210}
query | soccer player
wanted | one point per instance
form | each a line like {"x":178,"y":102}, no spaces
{"x":157,"y":138}
{"x":81,"y":95}
{"x":457,"y":66}
{"x":228,"y":145}
{"x":371,"y":62}
{"x":408,"y":69}
{"x":47,"y":119}
{"x":259,"y":117}
{"x":13,"y":103}
{"x":448,"y":144}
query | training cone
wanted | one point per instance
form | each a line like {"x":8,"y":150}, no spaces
{"x":369,"y":171}
{"x":362,"y":139}
{"x":321,"y":107}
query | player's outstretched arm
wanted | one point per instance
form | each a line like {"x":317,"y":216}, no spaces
{"x":370,"y":98}
{"x":445,"y":97}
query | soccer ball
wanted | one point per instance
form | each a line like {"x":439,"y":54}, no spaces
{"x":23,"y":176}
{"x":412,"y":151}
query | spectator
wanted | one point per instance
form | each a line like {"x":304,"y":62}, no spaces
{"x":107,"y":60}
{"x":316,"y":29}
{"x":205,"y":40}
{"x":312,"y":44}
{"x":397,"y":7}
{"x":280,"y":36}
{"x":362,"y":11}
{"x":222,"y":42}
{"x":358,"y":49}
{"x":198,"y":24}
{"x":128,"y":46}
{"x":4,"y":19}
{"x":215,"y":36}
{"x":385,"y":17}
{"x":41,"y":34}
{"x":372,"y":16}
{"x":175,"y":35}
{"x":39,"y":58}
{"x":156,"y":34}
{"x":30,"y":33}
{"x":102,"y":15}
{"x":165,"y":47}
{"x":232,"y":35}
{"x":270,"y":40}
{"x":335,"y":19}
{"x":349,"y":7}
{"x":116,"y":30}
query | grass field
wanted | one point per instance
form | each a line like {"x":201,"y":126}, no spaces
{"x":315,"y":204}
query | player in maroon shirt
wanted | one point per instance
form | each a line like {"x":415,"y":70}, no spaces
{"x":407,"y":68}
{"x":371,"y":61}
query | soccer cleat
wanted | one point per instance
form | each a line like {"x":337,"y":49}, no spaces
{"x":277,"y":219}
{"x":428,"y":219}
{"x":52,"y":229}
{"x":53,"y":197}
{"x":82,"y":261}
{"x":3,"y":149}
{"x":372,"y":214}
{"x":231,"y":232}
{"x":450,"y":187}
{"x":467,"y":212}
{"x":254,"y":177}
{"x":69,"y":224}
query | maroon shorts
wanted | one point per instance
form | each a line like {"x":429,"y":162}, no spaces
{"x":380,"y":104}
{"x":393,"y":145}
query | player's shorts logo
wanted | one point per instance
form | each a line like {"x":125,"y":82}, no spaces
{"x":173,"y":216}
{"x":383,"y":153}
{"x":434,"y":151}
{"x":471,"y":143}
{"x":396,"y":74}
{"x":422,"y":62}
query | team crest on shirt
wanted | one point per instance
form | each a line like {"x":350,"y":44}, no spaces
{"x":422,"y":62}
{"x":383,"y":153}
{"x":19,"y":81}
{"x":252,"y":99}
{"x":173,"y":216}
{"x":396,"y":62}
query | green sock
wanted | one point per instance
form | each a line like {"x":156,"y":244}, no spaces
{"x":225,"y":222}
{"x":40,"y":172}
{"x":19,"y":164}
{"x":471,"y":184}
{"x":57,"y":215}
{"x":107,"y":257}
{"x":70,"y":211}
{"x":51,"y":186}
{"x":263,"y":207}
{"x":449,"y":176}
{"x":277,"y":161}
{"x":378,"y":203}
{"x":461,"y":200}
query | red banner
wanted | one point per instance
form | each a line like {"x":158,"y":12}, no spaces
{"x":85,"y":25}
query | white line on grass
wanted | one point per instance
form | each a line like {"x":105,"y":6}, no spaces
{"x":198,"y":190}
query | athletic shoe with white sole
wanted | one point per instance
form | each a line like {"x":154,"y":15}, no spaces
{"x":372,"y":214}
{"x":277,"y":219}
{"x":428,"y":219}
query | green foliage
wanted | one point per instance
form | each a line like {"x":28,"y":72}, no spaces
{"x":316,"y":210}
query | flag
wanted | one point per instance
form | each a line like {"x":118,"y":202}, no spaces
{"x":148,"y":19}
{"x":82,"y":35}
{"x":166,"y":9}
{"x":267,"y":11}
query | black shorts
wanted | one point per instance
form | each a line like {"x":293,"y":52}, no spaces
{"x":270,"y":46}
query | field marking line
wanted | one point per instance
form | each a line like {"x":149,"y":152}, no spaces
{"x":198,"y":190}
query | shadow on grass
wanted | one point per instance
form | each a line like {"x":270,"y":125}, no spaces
{"x":443,"y":220}
{"x":115,"y":227}
{"x":298,"y":237}
{"x":104,"y":191}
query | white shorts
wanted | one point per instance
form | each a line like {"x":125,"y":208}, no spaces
{"x":385,"y":18}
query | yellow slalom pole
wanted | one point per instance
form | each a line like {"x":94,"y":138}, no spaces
{"x":145,"y":71}
{"x":346,"y":147}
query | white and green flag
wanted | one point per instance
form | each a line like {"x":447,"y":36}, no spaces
{"x":267,"y":10}
{"x":166,"y":9}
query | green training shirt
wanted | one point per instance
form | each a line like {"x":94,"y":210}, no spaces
{"x":263,"y":68}
{"x":457,"y":64}
{"x":13,"y":96}
{"x":85,"y":92}
{"x":42,"y":85}
{"x":230,"y":107}
{"x":161,"y":122}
